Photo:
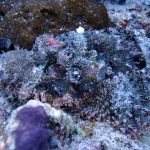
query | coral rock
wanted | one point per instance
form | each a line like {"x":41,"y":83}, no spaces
{"x":32,"y":127}
{"x":22,"y":22}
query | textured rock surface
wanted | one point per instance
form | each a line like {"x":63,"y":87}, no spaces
{"x":96,"y":76}
{"x":102,"y":136}
{"x":146,"y":2}
{"x":22,"y":22}
{"x":30,"y":120}
{"x":35,"y":126}
{"x":81,"y":73}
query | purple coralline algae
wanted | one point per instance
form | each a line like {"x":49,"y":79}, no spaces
{"x":33,"y":132}
{"x":38,"y":126}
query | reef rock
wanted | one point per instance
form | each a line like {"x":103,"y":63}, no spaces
{"x":36,"y":126}
{"x":103,"y":137}
{"x":146,"y":2}
{"x":87,"y":74}
{"x":22,"y":22}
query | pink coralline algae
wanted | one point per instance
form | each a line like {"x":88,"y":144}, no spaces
{"x":53,"y":42}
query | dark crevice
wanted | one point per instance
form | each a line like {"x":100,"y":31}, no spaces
{"x":48,"y":13}
{"x":2,"y":13}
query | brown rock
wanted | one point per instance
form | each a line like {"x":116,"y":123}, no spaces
{"x":23,"y":21}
